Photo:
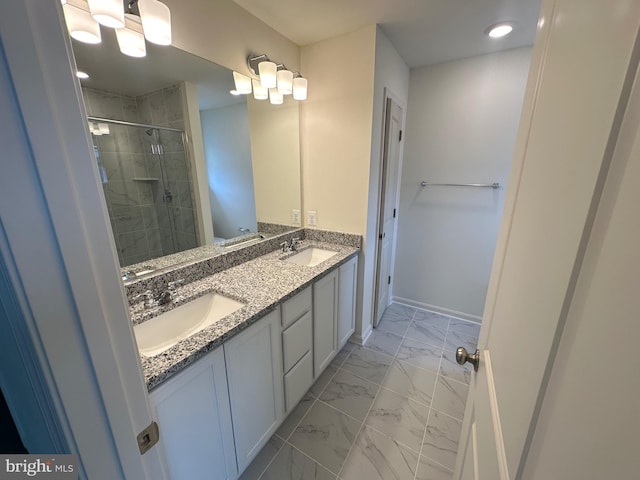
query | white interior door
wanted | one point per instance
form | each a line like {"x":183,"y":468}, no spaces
{"x":389,"y":194}
{"x":548,"y":252}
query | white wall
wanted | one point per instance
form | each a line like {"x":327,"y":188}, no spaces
{"x":227,"y":150}
{"x":461,"y":127}
{"x":391,"y":74}
{"x":275,"y":154}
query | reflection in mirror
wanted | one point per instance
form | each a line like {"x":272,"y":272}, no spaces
{"x":184,"y":163}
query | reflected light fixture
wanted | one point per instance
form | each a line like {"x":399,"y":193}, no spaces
{"x":300,"y":88}
{"x":107,"y":12}
{"x":259,"y":92}
{"x":131,"y":43}
{"x":81,"y":25}
{"x":82,"y":75}
{"x":242,"y":83}
{"x":499,"y":30}
{"x":156,"y":21}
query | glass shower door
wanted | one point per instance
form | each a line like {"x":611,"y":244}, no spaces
{"x":147,"y":187}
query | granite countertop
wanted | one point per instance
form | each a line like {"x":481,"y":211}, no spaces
{"x":261,"y":283}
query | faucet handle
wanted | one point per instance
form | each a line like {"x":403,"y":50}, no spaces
{"x":284,"y":246}
{"x":175,"y":283}
{"x":150,"y":299}
{"x":148,"y":295}
{"x":295,"y":242}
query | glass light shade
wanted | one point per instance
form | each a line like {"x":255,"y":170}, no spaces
{"x":267,"y":71}
{"x":156,"y":21}
{"x":81,"y":25}
{"x":275,"y":97}
{"x":82,"y":75}
{"x":109,"y":13}
{"x":242,"y":82}
{"x":131,"y":43}
{"x":259,"y":92}
{"x":285,"y":82}
{"x":300,"y":88}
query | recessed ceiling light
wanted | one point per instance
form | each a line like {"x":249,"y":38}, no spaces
{"x":82,"y":75}
{"x":499,"y":30}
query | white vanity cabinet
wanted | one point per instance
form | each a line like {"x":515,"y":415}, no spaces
{"x":348,"y":276}
{"x":254,"y":375}
{"x":193,"y":412}
{"x":325,"y":315}
{"x":297,"y":346}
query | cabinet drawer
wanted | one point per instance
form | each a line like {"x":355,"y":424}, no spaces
{"x":297,"y":340}
{"x":296,"y":306}
{"x":298,"y":381}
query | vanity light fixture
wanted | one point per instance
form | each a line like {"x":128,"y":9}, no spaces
{"x":81,"y":25}
{"x":259,"y":92}
{"x":148,"y":20}
{"x":285,"y":81}
{"x":275,"y":97}
{"x":107,"y":12}
{"x":300,"y":88}
{"x":275,"y":76}
{"x":499,"y":30}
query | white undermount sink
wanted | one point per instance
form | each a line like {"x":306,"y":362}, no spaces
{"x":164,"y":331}
{"x":310,"y":257}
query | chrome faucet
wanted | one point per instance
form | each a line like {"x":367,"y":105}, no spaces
{"x":291,"y":245}
{"x":164,"y":298}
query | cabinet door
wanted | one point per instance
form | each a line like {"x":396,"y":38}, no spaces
{"x":254,"y":372}
{"x":325,"y":310}
{"x":193,"y":414}
{"x":347,"y":301}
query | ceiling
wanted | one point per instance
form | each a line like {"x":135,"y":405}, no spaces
{"x":424,"y":32}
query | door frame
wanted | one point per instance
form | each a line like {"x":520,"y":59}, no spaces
{"x":388,"y":95}
{"x":65,"y":272}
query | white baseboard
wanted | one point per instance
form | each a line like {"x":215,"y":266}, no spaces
{"x":361,"y":339}
{"x":437,"y":309}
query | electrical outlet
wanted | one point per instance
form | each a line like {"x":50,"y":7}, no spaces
{"x":295,"y":217}
{"x":312,"y":217}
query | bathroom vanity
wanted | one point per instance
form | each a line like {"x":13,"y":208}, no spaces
{"x":219,"y":394}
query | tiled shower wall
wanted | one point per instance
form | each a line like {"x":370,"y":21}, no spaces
{"x":142,"y":214}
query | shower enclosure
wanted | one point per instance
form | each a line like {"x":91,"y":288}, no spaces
{"x":147,"y":186}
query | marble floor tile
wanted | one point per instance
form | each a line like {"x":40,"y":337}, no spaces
{"x":291,"y":422}
{"x":450,"y":368}
{"x":350,"y":394}
{"x":322,"y":381}
{"x":457,"y":339}
{"x":426,"y":333}
{"x":291,"y":464}
{"x":420,"y":354}
{"x":465,"y":326}
{"x":375,"y":456}
{"x":441,"y":438}
{"x":385,"y":342}
{"x":262,"y":460}
{"x":342,"y":355}
{"x":430,"y":470}
{"x":450,"y":397}
{"x":396,"y":319}
{"x":432,"y":318}
{"x":368,"y":364}
{"x":410,"y":381}
{"x":326,"y":435}
{"x":398,"y":417}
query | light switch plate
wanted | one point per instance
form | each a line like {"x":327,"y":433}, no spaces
{"x":295,"y":217}
{"x":312,"y":217}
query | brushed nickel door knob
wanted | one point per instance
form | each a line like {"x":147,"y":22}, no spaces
{"x":462,"y":357}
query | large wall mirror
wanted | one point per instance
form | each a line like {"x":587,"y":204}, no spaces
{"x":183,"y":162}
